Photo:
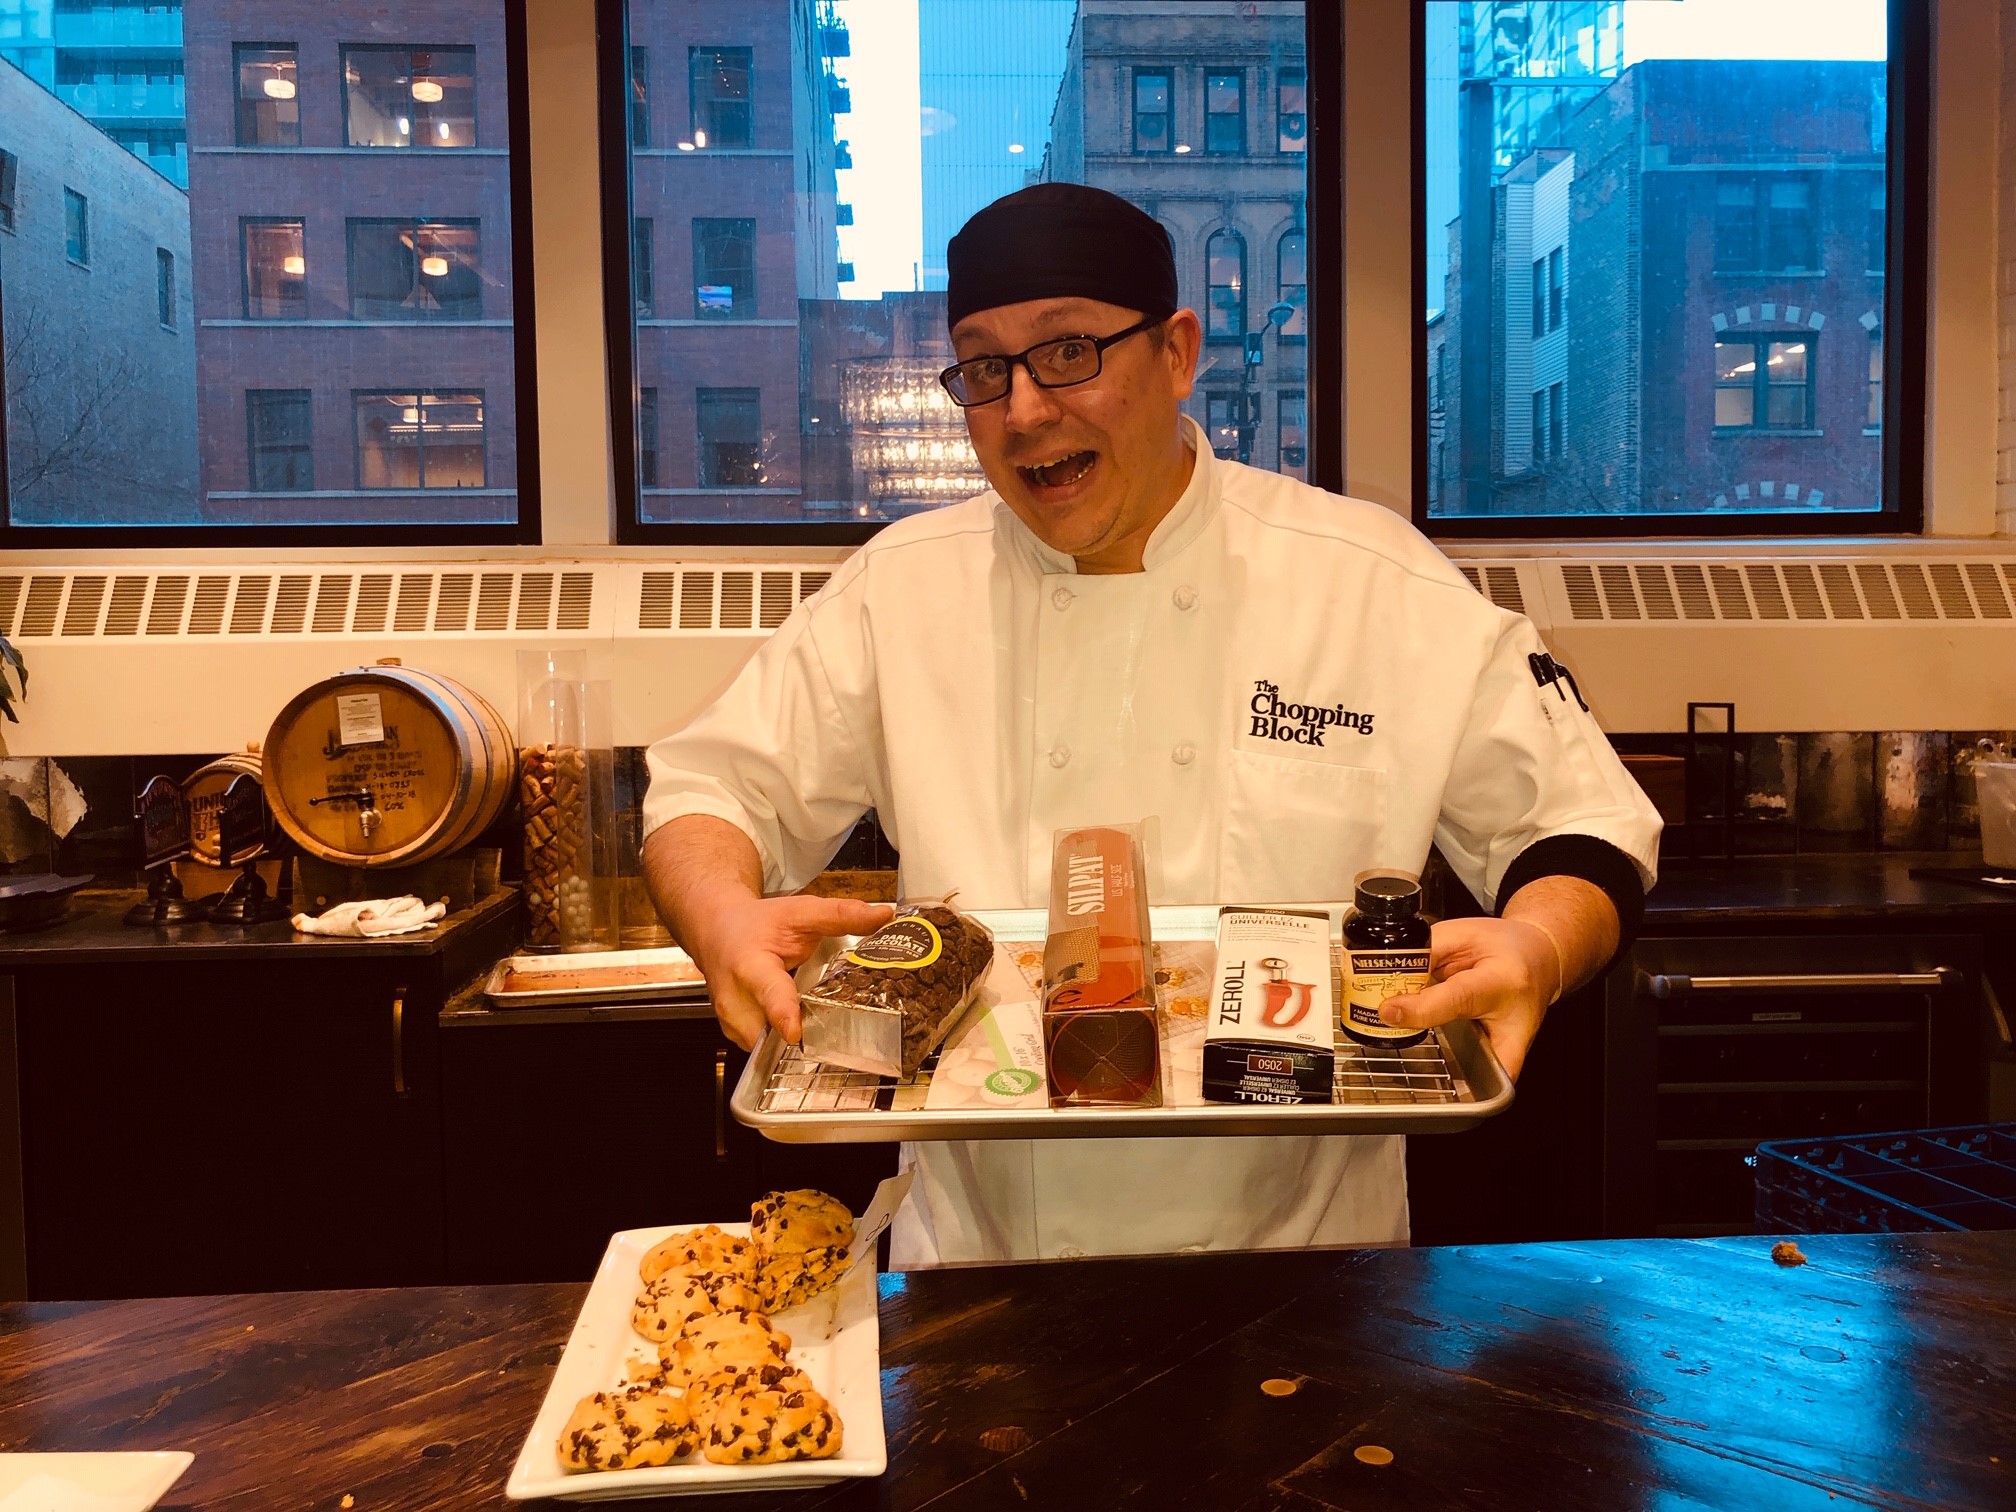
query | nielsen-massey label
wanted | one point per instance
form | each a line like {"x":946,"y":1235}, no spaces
{"x":908,"y":944}
{"x":1377,"y":975}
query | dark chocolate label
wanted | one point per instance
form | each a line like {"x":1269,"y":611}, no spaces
{"x":907,"y":944}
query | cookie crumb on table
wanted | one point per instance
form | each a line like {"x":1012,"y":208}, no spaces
{"x":1785,"y":1252}
{"x":1276,"y":1386}
{"x":1372,"y":1454}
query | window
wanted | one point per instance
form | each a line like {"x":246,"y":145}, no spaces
{"x":641,"y":272}
{"x":76,"y":228}
{"x":10,"y":168}
{"x":640,"y":97}
{"x":1764,"y":383}
{"x":280,"y":455}
{"x":1152,"y":116}
{"x":724,"y":269}
{"x":276,"y":269}
{"x":1292,"y":270}
{"x":1293,"y":409}
{"x":1225,"y":282}
{"x":1221,"y":424}
{"x":415,"y":270}
{"x":783,"y":351}
{"x":730,"y":437}
{"x":647,"y":437}
{"x":1225,"y":113}
{"x":1764,"y":224}
{"x":164,"y":287}
{"x":722,"y":114}
{"x":269,"y":110}
{"x":1291,"y":112}
{"x":409,"y":96}
{"x":305,"y":264}
{"x":1720,"y":269}
{"x":419,"y":440}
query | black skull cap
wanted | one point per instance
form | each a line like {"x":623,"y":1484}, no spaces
{"x":1060,"y":241}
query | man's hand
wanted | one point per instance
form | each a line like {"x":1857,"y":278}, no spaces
{"x":749,"y":949}
{"x":1501,"y":972}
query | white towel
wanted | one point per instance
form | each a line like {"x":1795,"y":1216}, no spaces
{"x":377,"y":916}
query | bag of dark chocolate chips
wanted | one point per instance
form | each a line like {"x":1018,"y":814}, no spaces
{"x":885,"y":1003}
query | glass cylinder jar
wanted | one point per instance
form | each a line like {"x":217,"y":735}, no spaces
{"x":565,"y":764}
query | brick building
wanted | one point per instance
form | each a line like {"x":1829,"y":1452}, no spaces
{"x":350,"y":172}
{"x":1685,"y":302}
{"x":735,"y":222}
{"x":1198,"y":115}
{"x":95,"y":271}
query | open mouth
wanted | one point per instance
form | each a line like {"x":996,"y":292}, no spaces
{"x":1063,"y":472}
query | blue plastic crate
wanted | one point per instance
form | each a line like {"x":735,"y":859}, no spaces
{"x":1907,"y":1182}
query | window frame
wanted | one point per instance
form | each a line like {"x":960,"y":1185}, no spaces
{"x":1904,"y":310}
{"x":419,"y":395}
{"x":1238,"y":337}
{"x":693,"y":53}
{"x":1238,"y":114}
{"x":1322,"y":162}
{"x":252,"y":443}
{"x":10,"y":188}
{"x":81,"y":258}
{"x":245,"y":225}
{"x":1281,"y":116}
{"x":640,"y":96}
{"x":470,"y":223}
{"x":167,"y":305}
{"x":741,"y":307}
{"x":525,"y":530}
{"x":238,"y":101}
{"x":413,"y":138}
{"x":1760,"y":385}
{"x":1168,"y":77}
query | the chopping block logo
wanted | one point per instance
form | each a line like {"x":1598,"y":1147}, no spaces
{"x":1273,"y":718}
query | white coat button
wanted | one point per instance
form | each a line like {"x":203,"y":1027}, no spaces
{"x":1191,"y":1249}
{"x":1184,"y":754}
{"x":1070,"y":1252}
{"x":1185,"y":597}
{"x":1059,"y":755}
{"x":1062,"y":598}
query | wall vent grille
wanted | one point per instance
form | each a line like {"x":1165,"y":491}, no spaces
{"x":129,"y":598}
{"x":1781,"y":591}
{"x":724,"y":598}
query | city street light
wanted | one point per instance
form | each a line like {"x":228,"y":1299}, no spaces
{"x":1278,"y":314}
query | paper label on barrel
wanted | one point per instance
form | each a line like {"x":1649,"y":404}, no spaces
{"x":360,"y":719}
{"x":1377,"y":975}
{"x":908,"y":944}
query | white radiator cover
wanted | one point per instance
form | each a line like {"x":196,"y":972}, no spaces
{"x":193,"y":659}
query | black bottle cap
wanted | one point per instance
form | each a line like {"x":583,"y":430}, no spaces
{"x":1384,"y":895}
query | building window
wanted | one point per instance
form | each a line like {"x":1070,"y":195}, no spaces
{"x":1225,"y":113}
{"x":414,"y":441}
{"x":640,"y":97}
{"x":1293,"y":410}
{"x":269,"y":112}
{"x":1879,"y":226}
{"x":280,"y":451}
{"x":1556,"y":287}
{"x":1764,"y":223}
{"x":1152,"y":116}
{"x":1225,"y":282}
{"x":1557,"y":438}
{"x":647,"y":438}
{"x":409,"y":96}
{"x":10,"y":169}
{"x":276,"y":269}
{"x":164,"y":286}
{"x":722,"y":116}
{"x":1291,"y":112}
{"x":1874,"y":420}
{"x":1764,"y":383}
{"x":76,"y":228}
{"x":415,"y":270}
{"x":1221,"y":423}
{"x":724,"y":269}
{"x":1539,"y":426}
{"x":1292,"y":269}
{"x":1539,"y":297}
{"x":642,"y":276}
{"x":731,"y":438}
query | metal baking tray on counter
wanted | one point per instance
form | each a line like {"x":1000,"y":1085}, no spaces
{"x":597,"y":976}
{"x":1448,"y":1082}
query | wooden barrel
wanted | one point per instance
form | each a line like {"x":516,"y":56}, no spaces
{"x":203,"y":790}
{"x":387,"y":766}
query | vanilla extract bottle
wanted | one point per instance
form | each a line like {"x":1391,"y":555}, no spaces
{"x":1388,"y":942}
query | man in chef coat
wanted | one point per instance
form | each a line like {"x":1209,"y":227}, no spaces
{"x":1288,"y":687}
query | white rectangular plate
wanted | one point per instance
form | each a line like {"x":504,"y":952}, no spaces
{"x":835,"y":1339}
{"x":119,"y":1482}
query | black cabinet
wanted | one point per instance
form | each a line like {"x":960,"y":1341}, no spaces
{"x":227,"y":1111}
{"x":561,"y":1127}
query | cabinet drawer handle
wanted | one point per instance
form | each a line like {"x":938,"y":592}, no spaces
{"x":399,"y":1043}
{"x":1674,"y":986}
{"x":720,"y":1104}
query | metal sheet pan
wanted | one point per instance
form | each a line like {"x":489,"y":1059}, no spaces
{"x":1449,"y":1082}
{"x":671,"y":960}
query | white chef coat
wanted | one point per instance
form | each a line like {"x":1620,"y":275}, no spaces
{"x":1297,"y":688}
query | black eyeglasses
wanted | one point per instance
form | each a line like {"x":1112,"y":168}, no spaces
{"x":1057,"y":363}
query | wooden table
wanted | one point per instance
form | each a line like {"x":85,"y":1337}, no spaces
{"x":1612,"y":1375}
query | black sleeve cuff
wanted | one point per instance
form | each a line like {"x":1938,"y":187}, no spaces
{"x":1596,"y":862}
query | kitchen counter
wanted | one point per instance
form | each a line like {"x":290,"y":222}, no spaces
{"x":1611,"y":1375}
{"x":1844,"y":891}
